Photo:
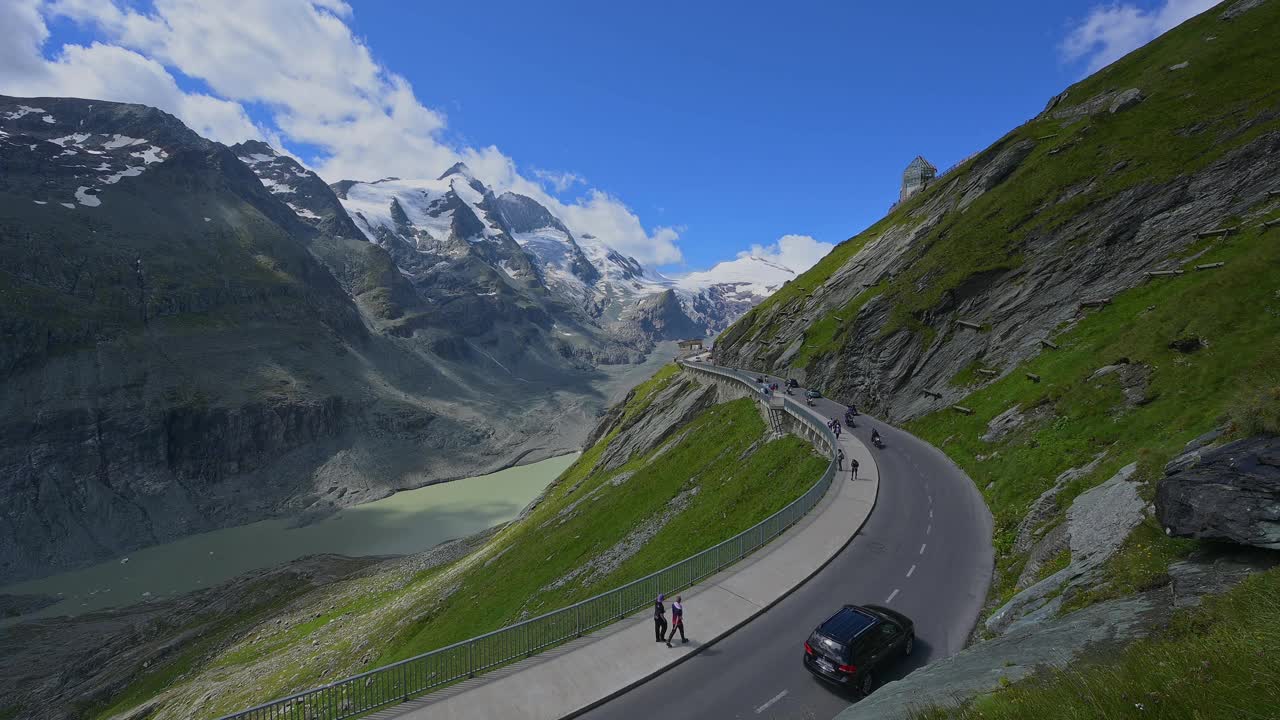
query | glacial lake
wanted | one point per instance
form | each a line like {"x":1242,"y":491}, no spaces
{"x":406,"y":522}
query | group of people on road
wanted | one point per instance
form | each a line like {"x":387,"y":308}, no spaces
{"x":660,"y":620}
{"x":853,"y":462}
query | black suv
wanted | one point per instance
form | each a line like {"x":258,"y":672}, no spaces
{"x":850,"y":646}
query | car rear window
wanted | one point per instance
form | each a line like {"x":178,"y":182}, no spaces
{"x":827,"y":646}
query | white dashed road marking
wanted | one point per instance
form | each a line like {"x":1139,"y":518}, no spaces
{"x":913,"y":569}
{"x":929,"y":529}
{"x":892,"y":595}
{"x":772,"y":700}
{"x":930,"y":513}
{"x":922,"y":547}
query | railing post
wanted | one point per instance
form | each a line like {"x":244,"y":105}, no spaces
{"x":471,"y":660}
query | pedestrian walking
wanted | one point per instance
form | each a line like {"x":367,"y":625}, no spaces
{"x":853,"y":468}
{"x":659,"y":618}
{"x":839,"y":458}
{"x":677,"y":621}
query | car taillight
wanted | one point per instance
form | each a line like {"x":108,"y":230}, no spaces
{"x":850,"y":669}
{"x":808,"y":650}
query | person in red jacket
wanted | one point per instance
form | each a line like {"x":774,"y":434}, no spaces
{"x":677,"y":621}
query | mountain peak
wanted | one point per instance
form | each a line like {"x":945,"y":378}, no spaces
{"x":459,"y":168}
{"x":253,"y":146}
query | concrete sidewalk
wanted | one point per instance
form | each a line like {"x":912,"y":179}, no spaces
{"x":583,"y":673}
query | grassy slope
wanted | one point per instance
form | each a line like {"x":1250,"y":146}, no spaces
{"x":1228,"y":94}
{"x":1215,"y":661}
{"x":1237,"y":315}
{"x":987,"y":236}
{"x":734,"y":494}
{"x":504,"y":581}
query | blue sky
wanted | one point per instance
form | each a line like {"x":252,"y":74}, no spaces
{"x":691,"y":131}
{"x":739,"y":123}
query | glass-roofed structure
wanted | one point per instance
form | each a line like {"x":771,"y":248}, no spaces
{"x":918,"y":174}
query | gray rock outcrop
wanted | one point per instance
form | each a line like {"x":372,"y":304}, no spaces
{"x":1239,"y":8}
{"x":1046,"y":506}
{"x":1126,"y":100}
{"x":1230,"y":493}
{"x":1097,"y":524}
{"x":679,"y":402}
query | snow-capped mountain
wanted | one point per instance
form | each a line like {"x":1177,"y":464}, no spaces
{"x":718,"y":296}
{"x":583,"y":269}
{"x":299,"y":188}
{"x":749,"y":275}
{"x":513,"y":240}
{"x":80,"y":160}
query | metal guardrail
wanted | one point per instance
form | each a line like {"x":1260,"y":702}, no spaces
{"x":419,"y":675}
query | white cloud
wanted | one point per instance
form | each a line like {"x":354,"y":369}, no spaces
{"x":1111,"y":31}
{"x":797,"y":252}
{"x":24,"y":35}
{"x":559,"y":181}
{"x":320,"y":84}
{"x":106,"y":71}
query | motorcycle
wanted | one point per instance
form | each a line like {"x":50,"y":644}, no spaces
{"x":848,"y":420}
{"x":878,"y":442}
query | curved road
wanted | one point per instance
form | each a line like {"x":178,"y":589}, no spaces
{"x":925,"y":551}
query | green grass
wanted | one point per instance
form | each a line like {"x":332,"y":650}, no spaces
{"x":216,"y":631}
{"x":733,"y":494}
{"x":827,"y":334}
{"x":1189,"y":394}
{"x":740,"y":479}
{"x":1216,"y":661}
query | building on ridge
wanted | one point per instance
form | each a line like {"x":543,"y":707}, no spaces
{"x":916,"y":177}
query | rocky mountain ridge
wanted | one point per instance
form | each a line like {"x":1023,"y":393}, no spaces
{"x":196,"y":337}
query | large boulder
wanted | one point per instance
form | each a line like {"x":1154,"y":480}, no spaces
{"x":1232,"y":493}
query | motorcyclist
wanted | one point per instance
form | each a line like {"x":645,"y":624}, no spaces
{"x":852,"y":410}
{"x":875,"y":438}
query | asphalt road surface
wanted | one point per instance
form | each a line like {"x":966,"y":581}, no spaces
{"x":925,"y":552}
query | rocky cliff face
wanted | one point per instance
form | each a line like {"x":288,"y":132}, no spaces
{"x":1114,"y":180}
{"x":196,"y":337}
{"x":659,"y":315}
